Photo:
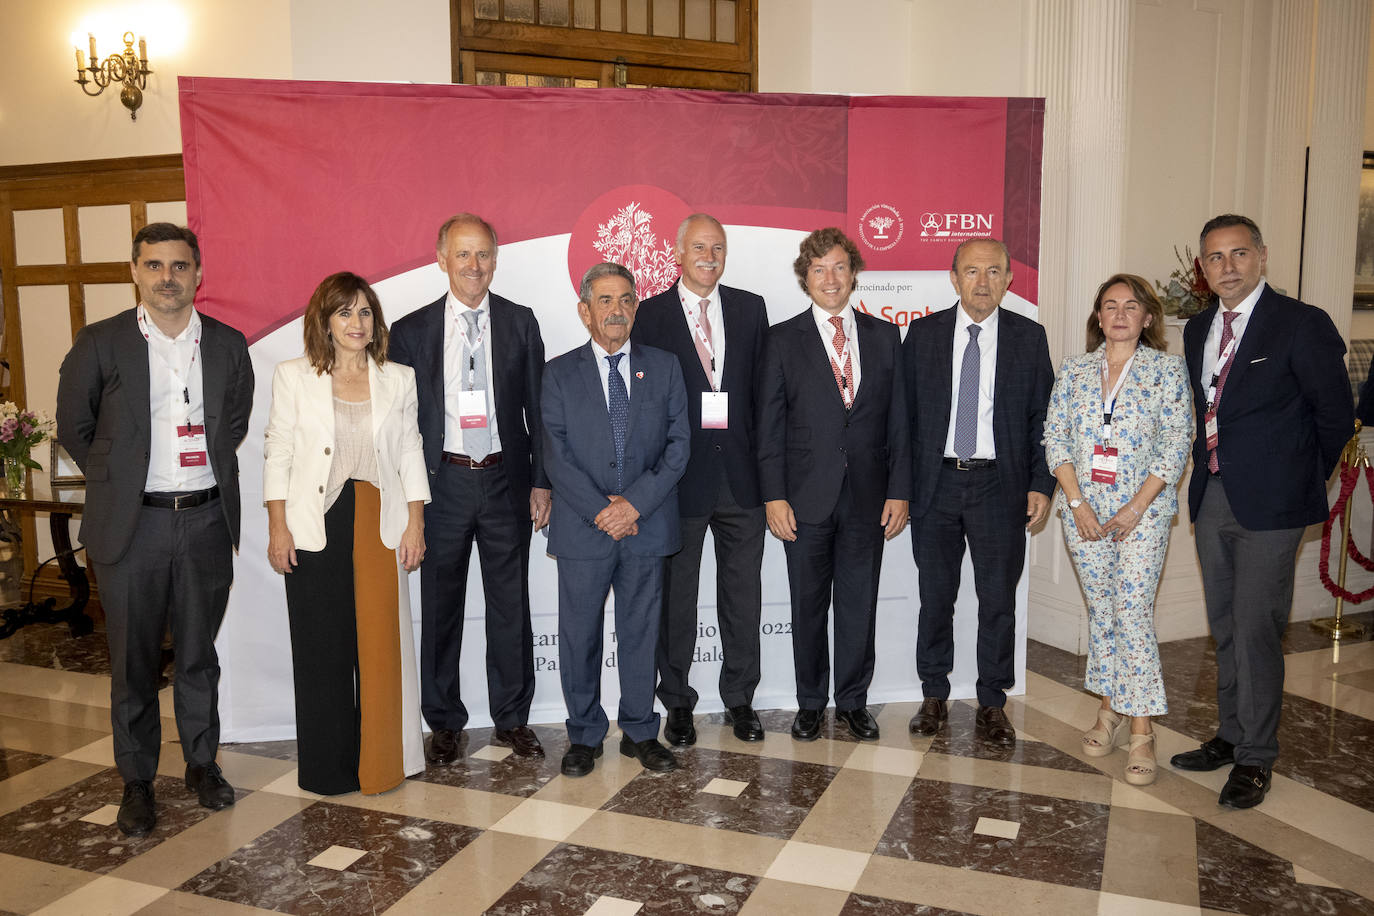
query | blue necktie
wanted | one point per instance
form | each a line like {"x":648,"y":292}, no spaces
{"x":618,"y":404}
{"x":966,"y":411}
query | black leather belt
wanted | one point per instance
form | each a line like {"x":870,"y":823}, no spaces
{"x":465,"y":461}
{"x":178,"y":501}
{"x":970,"y":464}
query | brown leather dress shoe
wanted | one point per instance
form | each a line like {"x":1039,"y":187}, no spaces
{"x":521,"y":740}
{"x":991,"y":725}
{"x":930,"y":718}
{"x":444,"y":747}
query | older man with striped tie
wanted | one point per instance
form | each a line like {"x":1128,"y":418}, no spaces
{"x":834,"y":471}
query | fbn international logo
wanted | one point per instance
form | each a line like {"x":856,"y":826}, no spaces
{"x":955,"y":225}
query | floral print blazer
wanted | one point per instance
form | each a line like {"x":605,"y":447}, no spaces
{"x":1152,"y":427}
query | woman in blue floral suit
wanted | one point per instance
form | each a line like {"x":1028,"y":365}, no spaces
{"x":1117,"y":436}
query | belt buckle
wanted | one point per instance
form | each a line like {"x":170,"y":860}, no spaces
{"x":176,"y":503}
{"x":960,"y":465}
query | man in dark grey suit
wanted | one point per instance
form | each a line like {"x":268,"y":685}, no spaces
{"x":478,"y":359}
{"x":152,"y":405}
{"x":835,"y":474}
{"x":978,"y":384}
{"x":717,"y":334}
{"x":1274,"y":411}
{"x":615,"y":444}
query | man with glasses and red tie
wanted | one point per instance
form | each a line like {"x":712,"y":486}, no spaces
{"x":835,"y":475}
{"x":1274,"y":411}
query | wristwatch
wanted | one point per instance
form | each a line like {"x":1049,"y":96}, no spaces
{"x":1074,"y":504}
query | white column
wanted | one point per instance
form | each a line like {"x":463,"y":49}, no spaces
{"x":1342,"y":56}
{"x":1289,"y":93}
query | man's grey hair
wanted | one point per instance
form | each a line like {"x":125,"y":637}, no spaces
{"x":682,"y":226}
{"x":469,"y":219}
{"x":1006,"y":255}
{"x":605,"y":269}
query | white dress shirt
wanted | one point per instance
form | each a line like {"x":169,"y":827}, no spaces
{"x":691,"y":307}
{"x":1211,"y":347}
{"x":851,"y":338}
{"x":603,"y":369}
{"x":176,"y":397}
{"x":456,"y":371}
{"x":987,"y":378}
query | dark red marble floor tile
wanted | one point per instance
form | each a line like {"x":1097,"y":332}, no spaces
{"x":1239,"y":878}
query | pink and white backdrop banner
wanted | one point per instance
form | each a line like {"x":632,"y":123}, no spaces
{"x":287,"y":182}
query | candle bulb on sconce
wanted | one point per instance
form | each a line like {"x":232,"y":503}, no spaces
{"x":129,"y":71}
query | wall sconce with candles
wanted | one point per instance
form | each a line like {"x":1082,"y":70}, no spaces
{"x":126,"y":69}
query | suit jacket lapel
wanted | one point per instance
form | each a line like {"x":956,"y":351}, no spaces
{"x":214,"y":373}
{"x":382,"y":389}
{"x":590,"y":374}
{"x":429,"y":359}
{"x":1008,"y":347}
{"x":942,"y":365}
{"x":131,"y":357}
{"x":1251,"y":342}
{"x":1192,"y":349}
{"x":685,"y":342}
{"x":817,"y":353}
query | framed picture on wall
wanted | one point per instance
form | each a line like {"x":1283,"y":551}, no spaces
{"x":1364,"y":237}
{"x":63,"y":471}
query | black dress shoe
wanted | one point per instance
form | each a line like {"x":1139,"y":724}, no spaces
{"x":679,"y":728}
{"x":930,"y":718}
{"x":992,"y":726}
{"x":136,"y":815}
{"x":1245,"y":787}
{"x":580,"y":759}
{"x":521,"y":740}
{"x":859,"y":722}
{"x":210,"y":786}
{"x":443,"y":747}
{"x":745,"y":721}
{"x":807,"y":725}
{"x":1213,"y":755}
{"x":651,"y":754}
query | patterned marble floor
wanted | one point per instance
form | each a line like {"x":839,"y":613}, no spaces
{"x":941,"y":825}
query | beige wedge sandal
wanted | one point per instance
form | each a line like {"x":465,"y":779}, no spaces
{"x":1140,"y":760}
{"x":1102,"y":738}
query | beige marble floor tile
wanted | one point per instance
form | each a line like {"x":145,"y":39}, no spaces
{"x":994,"y":774}
{"x":971,"y":891}
{"x":546,"y":819}
{"x":105,"y":896}
{"x":771,"y":897}
{"x":706,"y":847}
{"x":1118,"y":905}
{"x":251,"y":772}
{"x":50,"y":684}
{"x":1039,"y":687}
{"x":201,"y":845}
{"x":1361,"y":679}
{"x":474,"y":879}
{"x":42,"y":781}
{"x":854,"y":810}
{"x":613,"y":906}
{"x":48,"y":738}
{"x":287,"y":784}
{"x":441,"y":803}
{"x":1345,"y":696}
{"x":897,"y":761}
{"x":179,"y":903}
{"x":595,"y":789}
{"x":1151,"y":855}
{"x":1125,"y":795}
{"x":782,"y":746}
{"x":1338,"y":657}
{"x":29,"y":885}
{"x":823,"y":866}
{"x":1307,"y":876}
{"x":59,"y":712}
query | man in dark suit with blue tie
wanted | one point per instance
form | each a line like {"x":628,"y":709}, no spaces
{"x":717,"y":334}
{"x":978,"y":383}
{"x":478,"y":361}
{"x":835,"y":474}
{"x":1274,"y":411}
{"x":616,"y":442}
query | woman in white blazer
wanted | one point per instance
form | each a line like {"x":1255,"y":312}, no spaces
{"x":345,"y":488}
{"x":1117,"y":436}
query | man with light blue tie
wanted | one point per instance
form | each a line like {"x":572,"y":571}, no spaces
{"x":978,"y":386}
{"x":616,"y":441}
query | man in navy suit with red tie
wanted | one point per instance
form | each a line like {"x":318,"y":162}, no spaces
{"x":1274,"y":411}
{"x":835,"y":473}
{"x":717,"y":334}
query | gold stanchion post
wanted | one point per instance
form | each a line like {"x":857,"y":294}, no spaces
{"x":1337,"y":627}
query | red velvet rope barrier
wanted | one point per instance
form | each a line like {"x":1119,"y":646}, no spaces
{"x":1350,"y":475}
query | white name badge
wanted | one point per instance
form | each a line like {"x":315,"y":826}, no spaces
{"x":191,"y":449}
{"x":472,"y":408}
{"x":715,"y":410}
{"x":1210,"y":428}
{"x":1104,"y":464}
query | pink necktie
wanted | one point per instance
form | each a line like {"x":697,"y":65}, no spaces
{"x":702,"y":353}
{"x":1213,"y":464}
{"x":844,"y":377}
